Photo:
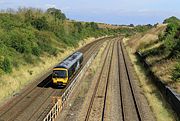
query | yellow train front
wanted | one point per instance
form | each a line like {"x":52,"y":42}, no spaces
{"x":64,"y":71}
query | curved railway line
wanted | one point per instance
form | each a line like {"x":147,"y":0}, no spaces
{"x":36,"y":98}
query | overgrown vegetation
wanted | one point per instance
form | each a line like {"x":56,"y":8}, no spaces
{"x":171,"y":37}
{"x":169,"y":49}
{"x":171,"y":40}
{"x":176,"y":72}
{"x":28,"y":33}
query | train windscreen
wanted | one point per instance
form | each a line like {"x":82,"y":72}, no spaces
{"x":59,"y":74}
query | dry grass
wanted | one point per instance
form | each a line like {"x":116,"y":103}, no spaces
{"x":11,"y":84}
{"x":143,"y":38}
{"x":163,"y":70}
{"x":92,"y":70}
{"x":160,"y":108}
{"x":160,"y":65}
{"x":98,"y":58}
{"x":153,"y":46}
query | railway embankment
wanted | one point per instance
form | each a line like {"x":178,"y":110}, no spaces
{"x":172,"y":97}
{"x":19,"y":79}
{"x":33,"y":40}
{"x":152,"y":83}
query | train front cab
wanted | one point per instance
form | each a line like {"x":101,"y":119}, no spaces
{"x":60,"y":76}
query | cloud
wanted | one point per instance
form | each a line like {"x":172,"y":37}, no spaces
{"x":50,"y":6}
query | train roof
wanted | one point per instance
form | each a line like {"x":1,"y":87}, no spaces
{"x":68,"y":62}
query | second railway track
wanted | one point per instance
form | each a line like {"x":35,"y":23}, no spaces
{"x":116,"y":95}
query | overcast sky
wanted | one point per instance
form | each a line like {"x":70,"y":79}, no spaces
{"x":106,"y":11}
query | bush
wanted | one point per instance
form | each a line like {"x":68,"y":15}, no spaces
{"x":29,"y":59}
{"x":6,"y":65}
{"x":40,"y":23}
{"x":172,"y":19}
{"x":176,"y":72}
{"x":1,"y":72}
{"x":17,"y":40}
{"x":171,"y":38}
{"x":36,"y":51}
{"x":53,"y":51}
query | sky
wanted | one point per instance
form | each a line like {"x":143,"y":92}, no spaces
{"x":106,"y":11}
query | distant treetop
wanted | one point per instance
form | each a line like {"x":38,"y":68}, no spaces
{"x":57,"y":13}
{"x":172,"y":19}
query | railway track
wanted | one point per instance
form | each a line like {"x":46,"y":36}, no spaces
{"x":124,"y":102}
{"x":104,"y":75}
{"x":129,"y":105}
{"x":30,"y":104}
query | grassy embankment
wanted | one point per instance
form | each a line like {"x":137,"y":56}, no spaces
{"x":32,"y":41}
{"x":163,"y":54}
{"x":160,"y":108}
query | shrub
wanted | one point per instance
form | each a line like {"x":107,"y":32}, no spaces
{"x":1,"y":72}
{"x":40,"y":23}
{"x":53,"y":51}
{"x":6,"y":65}
{"x":172,"y":19}
{"x":176,"y":72}
{"x":17,"y":40}
{"x":29,"y":59}
{"x":36,"y":51}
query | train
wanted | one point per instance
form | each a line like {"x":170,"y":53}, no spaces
{"x":64,"y":71}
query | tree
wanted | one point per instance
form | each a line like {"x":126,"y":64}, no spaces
{"x":172,"y":19}
{"x":131,"y":25}
{"x":94,"y":26}
{"x":78,"y":26}
{"x":56,"y":13}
